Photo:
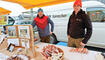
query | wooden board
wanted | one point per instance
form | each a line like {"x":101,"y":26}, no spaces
{"x":31,"y":39}
{"x":18,"y":32}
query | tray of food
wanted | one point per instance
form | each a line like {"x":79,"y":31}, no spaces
{"x":19,"y":57}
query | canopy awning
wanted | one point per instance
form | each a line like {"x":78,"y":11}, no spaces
{"x":28,"y":4}
{"x":4,"y":11}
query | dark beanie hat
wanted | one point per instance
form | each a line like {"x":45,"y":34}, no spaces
{"x":40,"y":10}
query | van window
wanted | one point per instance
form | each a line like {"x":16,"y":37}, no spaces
{"x":96,"y":14}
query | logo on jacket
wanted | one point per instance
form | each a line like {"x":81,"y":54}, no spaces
{"x":79,"y":20}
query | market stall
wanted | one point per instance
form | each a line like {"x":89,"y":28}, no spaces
{"x":19,"y":44}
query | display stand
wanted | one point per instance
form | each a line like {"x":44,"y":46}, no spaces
{"x":25,"y":35}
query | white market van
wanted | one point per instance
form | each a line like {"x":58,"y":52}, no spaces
{"x":60,"y":16}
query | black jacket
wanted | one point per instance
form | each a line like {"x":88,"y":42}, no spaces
{"x":77,"y":25}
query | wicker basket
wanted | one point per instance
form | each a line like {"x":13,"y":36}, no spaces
{"x":61,"y":51}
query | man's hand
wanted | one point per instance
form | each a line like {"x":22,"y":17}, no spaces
{"x":68,"y":36}
{"x":35,"y":39}
{"x":82,"y":44}
{"x":51,"y":33}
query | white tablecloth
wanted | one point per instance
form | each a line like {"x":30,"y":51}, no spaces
{"x":72,"y":55}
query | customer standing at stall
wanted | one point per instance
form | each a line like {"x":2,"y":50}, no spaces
{"x":78,"y":22}
{"x":42,"y":23}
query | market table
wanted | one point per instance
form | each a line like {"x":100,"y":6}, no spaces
{"x":67,"y":55}
{"x":72,"y":55}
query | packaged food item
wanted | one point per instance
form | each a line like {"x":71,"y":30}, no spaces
{"x":72,"y":50}
{"x":80,"y":50}
{"x":19,"y":57}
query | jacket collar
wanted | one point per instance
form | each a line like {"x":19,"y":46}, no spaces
{"x":40,"y":17}
{"x":79,"y":13}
